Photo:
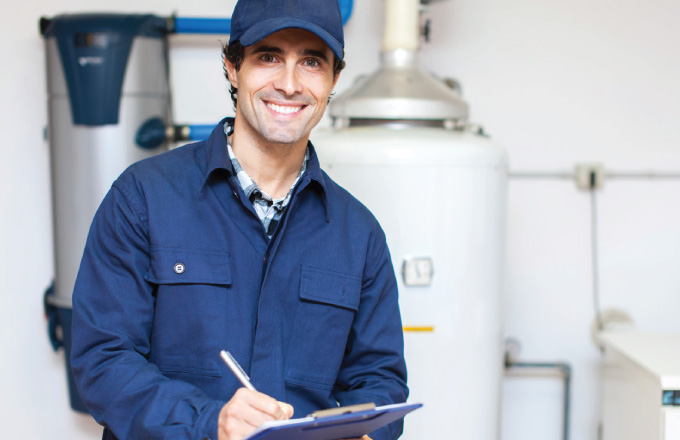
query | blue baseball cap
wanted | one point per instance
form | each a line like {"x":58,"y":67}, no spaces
{"x":254,"y":20}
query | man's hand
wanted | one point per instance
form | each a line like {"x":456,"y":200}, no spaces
{"x":246,"y":411}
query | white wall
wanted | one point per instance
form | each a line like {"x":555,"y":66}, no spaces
{"x":557,"y":81}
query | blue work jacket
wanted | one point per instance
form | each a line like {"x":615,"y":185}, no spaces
{"x":178,"y":266}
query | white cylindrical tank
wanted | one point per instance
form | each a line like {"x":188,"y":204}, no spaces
{"x":106,"y":81}
{"x":440,"y":197}
{"x":89,"y":148}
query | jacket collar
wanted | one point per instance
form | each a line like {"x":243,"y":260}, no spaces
{"x":217,"y":159}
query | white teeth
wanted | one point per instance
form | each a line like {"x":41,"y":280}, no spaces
{"x":284,"y":109}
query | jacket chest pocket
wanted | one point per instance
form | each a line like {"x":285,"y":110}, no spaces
{"x":191,"y":289}
{"x":327,"y":304}
{"x":180,"y":267}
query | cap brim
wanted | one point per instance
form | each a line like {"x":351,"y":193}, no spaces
{"x":267,"y":27}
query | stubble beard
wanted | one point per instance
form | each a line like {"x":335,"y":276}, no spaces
{"x":283,"y":131}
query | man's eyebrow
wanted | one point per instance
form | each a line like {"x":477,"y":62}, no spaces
{"x":316,"y":53}
{"x":277,"y":50}
{"x":268,"y":49}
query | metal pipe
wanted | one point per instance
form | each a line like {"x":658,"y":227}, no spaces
{"x":565,"y":370}
{"x":641,"y":175}
{"x":541,"y":175}
{"x":595,"y":257}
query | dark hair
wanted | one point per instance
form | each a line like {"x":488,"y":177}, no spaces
{"x":235,"y":52}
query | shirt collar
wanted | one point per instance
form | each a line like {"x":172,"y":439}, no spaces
{"x":217,"y":158}
{"x":216,"y":153}
{"x":249,"y":186}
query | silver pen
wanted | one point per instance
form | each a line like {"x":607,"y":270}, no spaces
{"x":237,"y":370}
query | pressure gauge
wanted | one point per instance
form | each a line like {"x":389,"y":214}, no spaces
{"x":417,"y":271}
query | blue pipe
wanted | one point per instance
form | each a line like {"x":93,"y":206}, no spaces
{"x":191,"y":25}
{"x":153,"y":132}
{"x":346,"y":10}
{"x":200,"y":132}
{"x":221,"y":26}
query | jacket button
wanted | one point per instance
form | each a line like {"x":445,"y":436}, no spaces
{"x":179,"y":268}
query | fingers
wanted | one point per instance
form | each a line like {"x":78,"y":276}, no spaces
{"x":262,"y":403}
{"x":246,"y":411}
{"x":287,"y":409}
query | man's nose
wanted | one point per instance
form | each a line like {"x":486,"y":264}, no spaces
{"x":288,"y":81}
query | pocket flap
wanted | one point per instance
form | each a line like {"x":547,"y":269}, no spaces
{"x":190,"y":365}
{"x":321,"y":285}
{"x":188,"y":266}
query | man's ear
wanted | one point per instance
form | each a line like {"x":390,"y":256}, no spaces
{"x":231,"y":72}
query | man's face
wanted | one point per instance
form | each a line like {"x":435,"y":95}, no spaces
{"x":283,"y":86}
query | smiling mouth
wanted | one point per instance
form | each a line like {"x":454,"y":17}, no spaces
{"x":284,"y":109}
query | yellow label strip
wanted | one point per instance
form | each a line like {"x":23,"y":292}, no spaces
{"x":419,"y":328}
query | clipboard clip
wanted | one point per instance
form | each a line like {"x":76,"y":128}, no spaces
{"x":342,"y":410}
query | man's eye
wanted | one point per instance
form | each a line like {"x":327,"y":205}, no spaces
{"x":267,"y":58}
{"x":311,"y":62}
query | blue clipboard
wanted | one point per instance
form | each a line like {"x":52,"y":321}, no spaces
{"x":333,"y":427}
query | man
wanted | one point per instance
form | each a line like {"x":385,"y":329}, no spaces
{"x":240,"y":243}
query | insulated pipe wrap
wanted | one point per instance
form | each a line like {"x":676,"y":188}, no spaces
{"x":401,"y":31}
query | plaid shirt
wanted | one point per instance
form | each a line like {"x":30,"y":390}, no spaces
{"x":269,"y":210}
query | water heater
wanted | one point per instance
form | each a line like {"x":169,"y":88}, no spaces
{"x":402,"y":145}
{"x":106,"y":79}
